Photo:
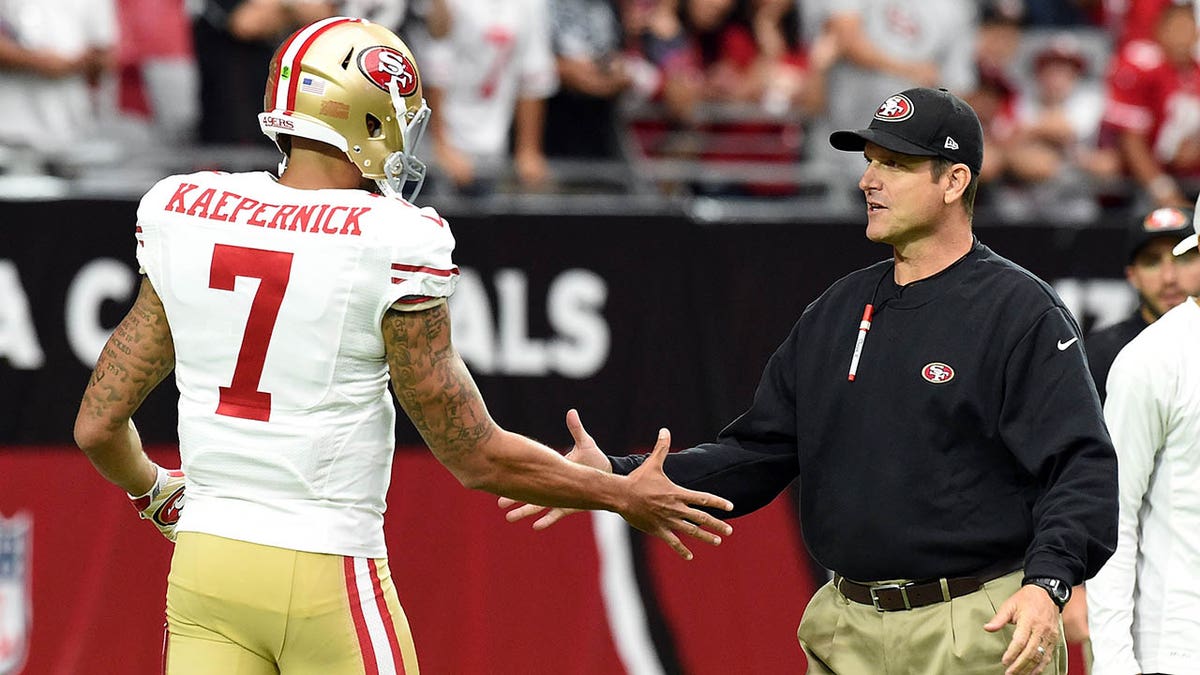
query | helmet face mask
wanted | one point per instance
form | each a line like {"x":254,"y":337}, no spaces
{"x":354,"y":85}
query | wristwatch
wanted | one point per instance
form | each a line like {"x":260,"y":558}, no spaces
{"x":1059,"y":590}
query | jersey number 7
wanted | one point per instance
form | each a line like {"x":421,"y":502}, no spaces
{"x":273,"y":269}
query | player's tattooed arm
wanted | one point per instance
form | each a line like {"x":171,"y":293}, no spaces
{"x":440,"y":397}
{"x":136,"y":358}
{"x":433,"y":384}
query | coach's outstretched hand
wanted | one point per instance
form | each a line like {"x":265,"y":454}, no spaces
{"x":656,"y":505}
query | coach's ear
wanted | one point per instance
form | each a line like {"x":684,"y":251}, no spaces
{"x":956,"y":181}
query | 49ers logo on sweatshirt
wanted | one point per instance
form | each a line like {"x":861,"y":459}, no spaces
{"x":937,"y":373}
{"x":895,"y":109}
{"x":383,"y":65}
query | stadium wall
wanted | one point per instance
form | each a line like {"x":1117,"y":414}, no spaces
{"x":640,"y":322}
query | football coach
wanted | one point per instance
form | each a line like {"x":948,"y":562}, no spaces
{"x":936,"y":408}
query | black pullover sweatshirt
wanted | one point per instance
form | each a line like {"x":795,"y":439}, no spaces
{"x":971,"y":439}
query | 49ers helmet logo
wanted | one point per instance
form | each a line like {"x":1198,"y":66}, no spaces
{"x":937,"y":373}
{"x":382,"y":65}
{"x":895,"y":109}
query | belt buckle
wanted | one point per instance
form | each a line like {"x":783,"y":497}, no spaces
{"x":903,"y":588}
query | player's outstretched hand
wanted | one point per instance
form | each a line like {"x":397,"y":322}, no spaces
{"x":671,"y":512}
{"x":162,"y":504}
{"x":1036,"y":636}
{"x":659,"y":507}
{"x":585,"y":452}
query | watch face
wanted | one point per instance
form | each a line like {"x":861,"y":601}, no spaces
{"x":1059,"y":590}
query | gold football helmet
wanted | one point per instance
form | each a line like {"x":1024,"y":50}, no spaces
{"x":354,"y":85}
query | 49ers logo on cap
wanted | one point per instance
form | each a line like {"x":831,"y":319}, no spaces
{"x":382,"y":65}
{"x":1166,"y":218}
{"x":895,"y":109}
{"x":937,"y":372}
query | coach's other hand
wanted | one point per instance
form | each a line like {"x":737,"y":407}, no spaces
{"x":1037,"y":620}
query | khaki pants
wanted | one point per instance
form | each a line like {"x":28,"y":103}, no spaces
{"x":239,"y":608}
{"x":842,"y":637}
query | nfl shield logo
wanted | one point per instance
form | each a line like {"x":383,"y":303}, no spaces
{"x":16,"y":605}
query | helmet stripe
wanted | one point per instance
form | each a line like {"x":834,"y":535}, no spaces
{"x":293,"y":54}
{"x":277,"y":70}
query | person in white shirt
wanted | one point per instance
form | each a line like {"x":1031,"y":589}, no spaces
{"x":51,"y":52}
{"x":1144,"y":605}
{"x":493,"y":71}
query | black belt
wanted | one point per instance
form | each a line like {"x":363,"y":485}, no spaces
{"x":910,"y":595}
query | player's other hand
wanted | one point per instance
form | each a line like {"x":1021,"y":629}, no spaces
{"x":585,"y":452}
{"x":162,"y":504}
{"x":659,"y":507}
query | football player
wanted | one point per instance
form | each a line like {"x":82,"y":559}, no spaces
{"x":284,"y":306}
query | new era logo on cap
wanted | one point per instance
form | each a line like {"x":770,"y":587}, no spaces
{"x":922,"y":122}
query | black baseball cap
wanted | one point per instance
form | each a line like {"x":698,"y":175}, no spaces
{"x":1168,"y":222}
{"x":923,"y":122}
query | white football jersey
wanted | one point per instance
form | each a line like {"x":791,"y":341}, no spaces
{"x":275,"y":296}
{"x":497,"y":52}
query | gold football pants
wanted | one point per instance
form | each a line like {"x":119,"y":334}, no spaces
{"x":237,"y":608}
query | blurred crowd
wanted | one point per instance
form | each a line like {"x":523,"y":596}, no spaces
{"x":1086,"y":103}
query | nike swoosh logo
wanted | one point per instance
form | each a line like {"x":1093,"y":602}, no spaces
{"x":1062,"y":346}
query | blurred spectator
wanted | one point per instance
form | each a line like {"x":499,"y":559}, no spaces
{"x":705,"y":54}
{"x":995,"y":102}
{"x":792,"y":77}
{"x":1060,"y":13}
{"x":1153,"y":112}
{"x":733,"y":75}
{"x":156,"y":71}
{"x":586,"y":37}
{"x":234,"y":42}
{"x":725,"y":52}
{"x":52,"y":54}
{"x":1058,"y":122}
{"x":494,"y":69}
{"x":1131,"y":20}
{"x":886,"y":46}
{"x":999,"y":36}
{"x":393,"y":14}
{"x":720,"y":51}
{"x":389,"y":13}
